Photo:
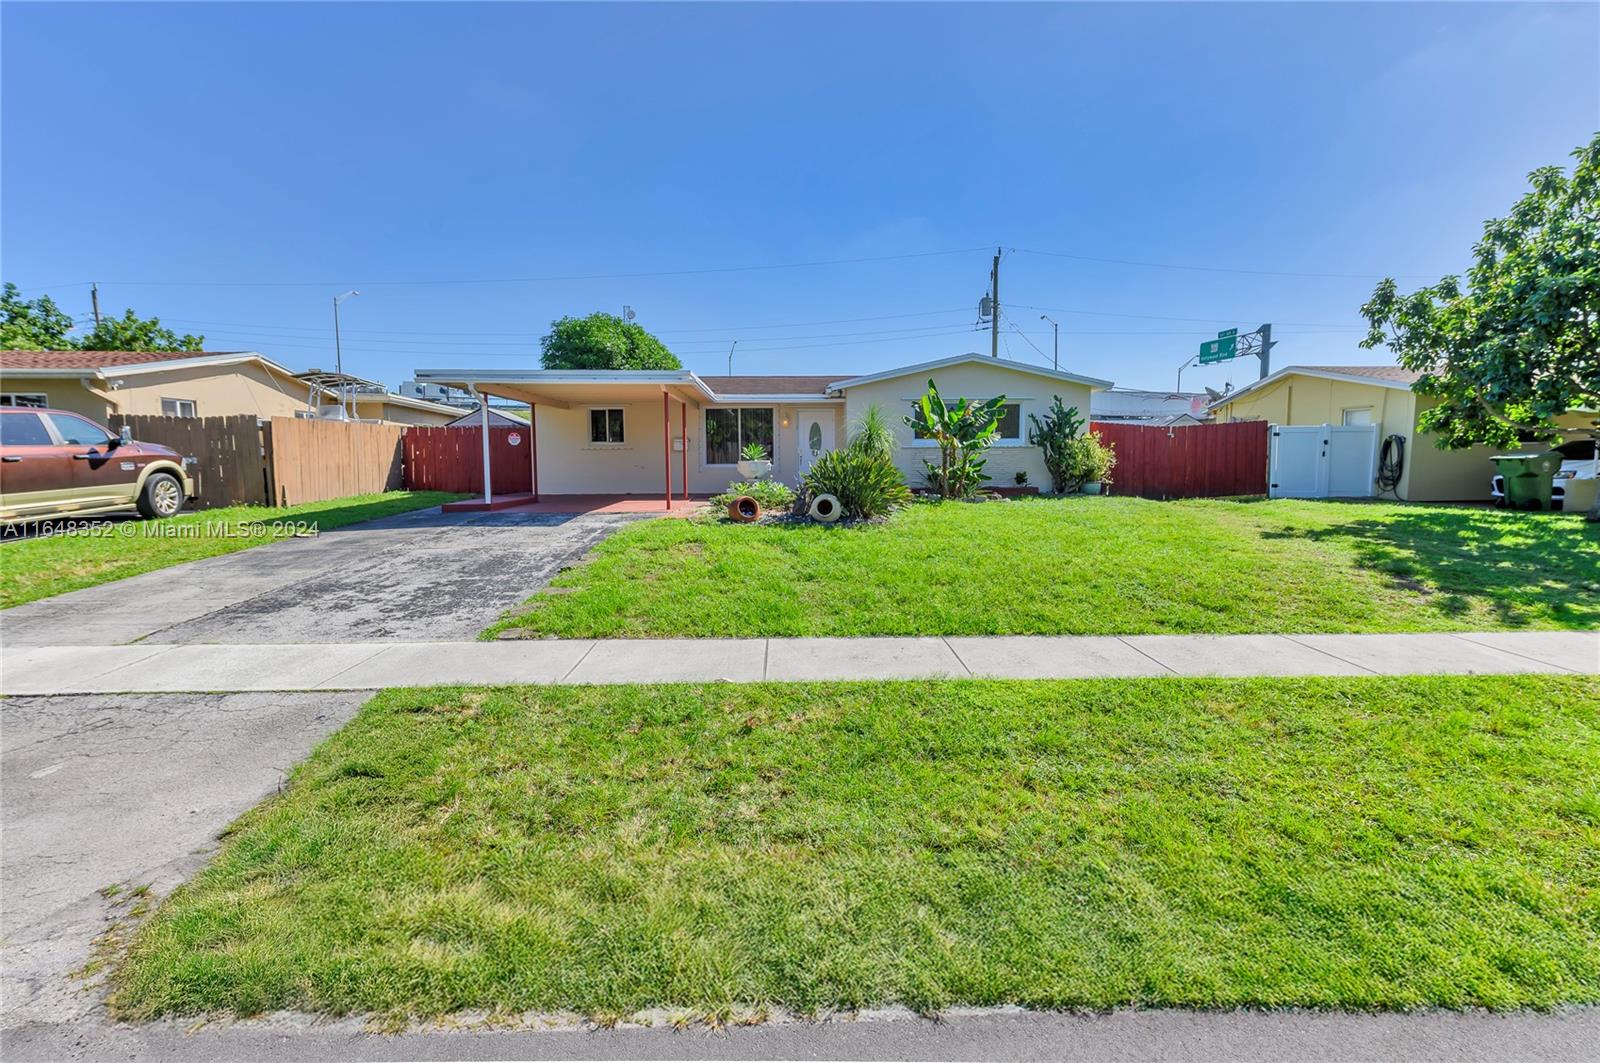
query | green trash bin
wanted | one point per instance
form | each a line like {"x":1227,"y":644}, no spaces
{"x":1528,"y":478}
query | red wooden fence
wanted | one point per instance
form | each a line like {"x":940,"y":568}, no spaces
{"x":1188,"y":461}
{"x":451,"y":459}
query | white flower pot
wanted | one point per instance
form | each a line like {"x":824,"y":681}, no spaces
{"x":754,"y":470}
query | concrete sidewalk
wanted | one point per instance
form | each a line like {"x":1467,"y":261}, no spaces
{"x":157,"y":668}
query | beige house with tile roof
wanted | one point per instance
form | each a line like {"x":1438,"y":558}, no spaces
{"x":1378,"y":395}
{"x":99,"y":384}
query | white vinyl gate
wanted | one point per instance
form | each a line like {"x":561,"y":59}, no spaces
{"x":1322,"y":461}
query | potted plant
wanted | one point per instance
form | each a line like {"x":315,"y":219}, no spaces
{"x":753,"y":463}
{"x":1095,"y":460}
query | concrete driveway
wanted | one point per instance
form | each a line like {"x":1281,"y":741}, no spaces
{"x":416,"y":577}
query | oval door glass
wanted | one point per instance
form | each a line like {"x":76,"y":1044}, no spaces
{"x":814,"y":438}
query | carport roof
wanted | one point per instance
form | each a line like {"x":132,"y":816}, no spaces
{"x":558,"y":387}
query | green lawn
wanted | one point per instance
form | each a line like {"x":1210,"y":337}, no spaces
{"x":1382,"y":843}
{"x":40,"y":566}
{"x":1088,"y":566}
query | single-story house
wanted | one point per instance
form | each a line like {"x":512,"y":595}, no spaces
{"x":647,"y":432}
{"x":1380,"y":396}
{"x":100,"y":384}
{"x":499,"y":417}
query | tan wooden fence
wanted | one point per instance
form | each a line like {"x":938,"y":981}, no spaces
{"x":228,"y":466}
{"x":283,"y":462}
{"x":312,"y":460}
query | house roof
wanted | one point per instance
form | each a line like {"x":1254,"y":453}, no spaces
{"x":1383,"y":376}
{"x":942,"y":363}
{"x":100,"y":359}
{"x":770,"y":385}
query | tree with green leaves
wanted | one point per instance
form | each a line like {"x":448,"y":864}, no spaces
{"x":130,"y":332}
{"x":1519,"y":345}
{"x":603,"y":341}
{"x":32,"y":324}
{"x":963,"y":431}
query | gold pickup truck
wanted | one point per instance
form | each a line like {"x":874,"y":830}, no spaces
{"x":56,"y":464}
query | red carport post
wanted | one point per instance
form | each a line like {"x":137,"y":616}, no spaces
{"x":666,"y":444}
{"x":483,"y":408}
{"x":683,"y":425}
{"x":533,"y":445}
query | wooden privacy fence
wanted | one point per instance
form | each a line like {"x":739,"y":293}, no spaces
{"x":229,"y":466}
{"x":1187,"y":461}
{"x":312,"y":460}
{"x":451,"y":459}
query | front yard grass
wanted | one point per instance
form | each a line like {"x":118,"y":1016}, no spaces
{"x":1360,"y":843}
{"x":1089,"y":566}
{"x":43,"y":565}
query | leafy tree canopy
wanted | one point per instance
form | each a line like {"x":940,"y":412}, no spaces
{"x":130,"y":332}
{"x":603,"y":341}
{"x":32,"y":324}
{"x":40,"y":325}
{"x":1520,"y":344}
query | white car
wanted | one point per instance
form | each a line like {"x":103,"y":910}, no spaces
{"x":1580,"y":460}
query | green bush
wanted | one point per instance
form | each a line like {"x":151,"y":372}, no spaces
{"x":866,"y":485}
{"x":1089,"y":460}
{"x":873,"y":436}
{"x":771,"y":494}
{"x":1055,"y":434}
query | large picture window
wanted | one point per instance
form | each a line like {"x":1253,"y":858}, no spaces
{"x":605,"y":426}
{"x":730,"y":431}
{"x":1010,"y":421}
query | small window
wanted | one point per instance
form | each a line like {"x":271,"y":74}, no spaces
{"x":31,"y":399}
{"x":1358,"y":417}
{"x":605,"y":426}
{"x":1010,"y":421}
{"x":75,"y":431}
{"x":23,"y":430}
{"x":177,"y":408}
{"x":728,"y":432}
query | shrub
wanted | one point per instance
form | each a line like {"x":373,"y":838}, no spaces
{"x":1055,"y":435}
{"x":866,"y":485}
{"x":1090,"y":460}
{"x":770,"y":493}
{"x":963,"y":431}
{"x":872,"y":435}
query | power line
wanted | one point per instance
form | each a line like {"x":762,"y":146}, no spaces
{"x":1197,"y":320}
{"x":1216,"y":269}
{"x":552,"y":278}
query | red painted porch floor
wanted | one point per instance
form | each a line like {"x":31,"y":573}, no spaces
{"x":579,"y":504}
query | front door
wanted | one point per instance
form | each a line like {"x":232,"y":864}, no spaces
{"x":816,"y":437}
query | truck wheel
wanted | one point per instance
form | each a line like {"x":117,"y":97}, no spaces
{"x":162,"y":496}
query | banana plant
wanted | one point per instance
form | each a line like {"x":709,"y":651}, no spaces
{"x":962,"y":431}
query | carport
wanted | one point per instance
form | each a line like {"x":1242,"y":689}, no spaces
{"x":618,"y":462}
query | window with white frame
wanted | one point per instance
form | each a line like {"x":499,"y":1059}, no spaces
{"x":605,"y":425}
{"x":729,"y":431}
{"x":32,"y":399}
{"x":1010,"y":427}
{"x":177,"y":408}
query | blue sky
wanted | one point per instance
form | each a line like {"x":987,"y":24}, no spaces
{"x":271,"y":155}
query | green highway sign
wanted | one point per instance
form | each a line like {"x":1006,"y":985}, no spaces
{"x":1227,"y":333}
{"x":1221,"y":349}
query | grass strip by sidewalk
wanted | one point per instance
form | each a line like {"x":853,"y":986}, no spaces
{"x":42,"y":565}
{"x":1087,"y":566}
{"x":1360,"y":843}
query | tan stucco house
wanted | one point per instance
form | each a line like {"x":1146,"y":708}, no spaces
{"x":639,"y":432}
{"x":1378,"y":395}
{"x":100,"y":384}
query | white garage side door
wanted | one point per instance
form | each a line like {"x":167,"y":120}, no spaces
{"x":1297,"y":465}
{"x":1352,"y":461}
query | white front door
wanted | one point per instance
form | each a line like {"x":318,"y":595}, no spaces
{"x":815,"y":432}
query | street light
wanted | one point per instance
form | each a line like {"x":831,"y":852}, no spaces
{"x":338,"y":353}
{"x":1056,"y":358}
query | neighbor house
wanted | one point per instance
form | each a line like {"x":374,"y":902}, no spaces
{"x":100,"y":384}
{"x":1163,"y":409}
{"x":648,"y":432}
{"x":1372,"y":395}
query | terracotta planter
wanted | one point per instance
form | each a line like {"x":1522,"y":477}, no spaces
{"x":744,"y":510}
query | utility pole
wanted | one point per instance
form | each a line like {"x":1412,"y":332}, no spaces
{"x":94,"y":297}
{"x":730,"y":357}
{"x":1055,"y":357}
{"x":338,"y":360}
{"x":994,"y":308}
